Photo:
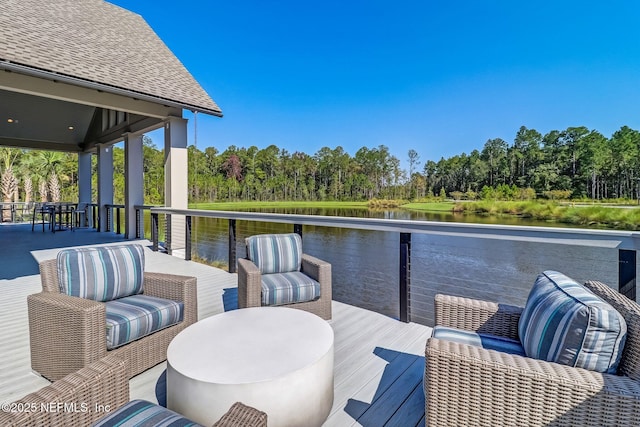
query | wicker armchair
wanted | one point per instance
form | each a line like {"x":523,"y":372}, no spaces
{"x":76,"y":400}
{"x":68,"y":333}
{"x":250,"y":285}
{"x":467,"y":385}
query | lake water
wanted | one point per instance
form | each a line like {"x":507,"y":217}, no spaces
{"x":365,"y":263}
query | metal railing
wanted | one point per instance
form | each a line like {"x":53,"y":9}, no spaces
{"x":624,"y":242}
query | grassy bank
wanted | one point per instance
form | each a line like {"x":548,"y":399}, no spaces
{"x":592,"y":216}
{"x":430,"y":206}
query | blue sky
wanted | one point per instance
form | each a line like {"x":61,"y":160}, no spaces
{"x":440,"y":77}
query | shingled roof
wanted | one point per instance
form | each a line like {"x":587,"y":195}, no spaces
{"x":98,"y":43}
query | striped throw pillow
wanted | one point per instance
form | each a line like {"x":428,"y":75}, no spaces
{"x":101,"y":273}
{"x":275,"y":253}
{"x":565,"y":323}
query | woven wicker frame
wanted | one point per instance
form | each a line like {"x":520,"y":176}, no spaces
{"x":240,"y":415}
{"x":68,"y":333}
{"x":104,"y":383}
{"x":250,"y":288}
{"x":467,"y":385}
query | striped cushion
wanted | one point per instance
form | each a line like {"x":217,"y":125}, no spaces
{"x":101,"y":273}
{"x":138,"y":413}
{"x":288,"y":288}
{"x":565,"y":323}
{"x":275,"y":253}
{"x":486,"y":341}
{"x":134,"y":317}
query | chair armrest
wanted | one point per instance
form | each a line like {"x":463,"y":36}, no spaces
{"x":319,"y":271}
{"x":467,"y":385}
{"x":49,"y":275}
{"x":66,"y":333}
{"x":249,"y":284}
{"x":479,"y":316}
{"x":316,"y":268}
{"x":78,"y":399}
{"x":176,"y":288}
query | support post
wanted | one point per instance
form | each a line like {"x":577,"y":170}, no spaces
{"x":154,"y":231}
{"x":176,"y":187}
{"x":133,"y":182}
{"x":405,"y":276}
{"x":232,"y":246}
{"x":297,"y":228}
{"x":117,"y":220}
{"x":627,"y":273}
{"x":187,"y":238}
{"x":84,"y":183}
{"x":105,"y":185}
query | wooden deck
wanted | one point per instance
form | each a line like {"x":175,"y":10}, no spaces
{"x":379,"y":362}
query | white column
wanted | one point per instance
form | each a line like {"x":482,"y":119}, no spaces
{"x":84,"y":182}
{"x":133,"y":182}
{"x":105,"y":184}
{"x":176,"y":184}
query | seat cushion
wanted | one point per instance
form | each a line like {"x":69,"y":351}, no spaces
{"x":139,"y":413}
{"x":101,"y":273}
{"x":134,"y":317}
{"x":563,"y":322}
{"x":275,"y":253}
{"x":288,"y":288}
{"x":486,"y":341}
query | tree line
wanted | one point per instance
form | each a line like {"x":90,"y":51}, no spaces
{"x":576,"y":162}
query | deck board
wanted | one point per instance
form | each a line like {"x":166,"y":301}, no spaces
{"x":379,"y":361}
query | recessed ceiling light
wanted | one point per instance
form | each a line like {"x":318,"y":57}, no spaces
{"x":70,"y":128}
{"x":9,"y":120}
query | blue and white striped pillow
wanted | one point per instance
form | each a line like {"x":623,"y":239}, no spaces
{"x":101,"y":273}
{"x":563,"y":322}
{"x":275,"y":253}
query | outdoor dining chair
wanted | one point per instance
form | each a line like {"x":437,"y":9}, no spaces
{"x":45,"y":212}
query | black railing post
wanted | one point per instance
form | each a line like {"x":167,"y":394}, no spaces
{"x":154,"y":231}
{"x":297,"y":228}
{"x":405,"y":276}
{"x":109,"y":215}
{"x":117,"y":220}
{"x":138,"y":223}
{"x":627,"y":273}
{"x":167,"y":234}
{"x":232,"y":246}
{"x":187,"y":238}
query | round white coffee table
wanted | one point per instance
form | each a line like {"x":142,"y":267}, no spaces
{"x":278,"y":360}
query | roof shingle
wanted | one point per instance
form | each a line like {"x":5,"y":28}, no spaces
{"x":98,"y":42}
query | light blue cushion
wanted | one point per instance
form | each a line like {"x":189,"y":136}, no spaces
{"x":137,"y":316}
{"x":275,"y":253}
{"x":486,"y":341}
{"x":139,"y":413}
{"x":563,"y":322}
{"x":288,"y":288}
{"x":101,"y":273}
